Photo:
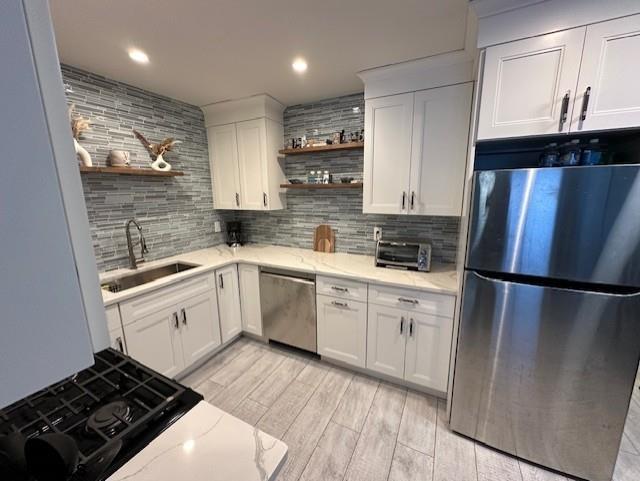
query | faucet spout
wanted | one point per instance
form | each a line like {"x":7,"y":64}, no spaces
{"x":133,"y":260}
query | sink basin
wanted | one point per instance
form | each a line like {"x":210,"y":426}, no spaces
{"x":133,"y":280}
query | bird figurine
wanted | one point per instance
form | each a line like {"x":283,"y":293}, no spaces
{"x":158,"y":150}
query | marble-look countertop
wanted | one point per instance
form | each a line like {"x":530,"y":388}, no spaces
{"x":207,"y":444}
{"x":442,"y":278}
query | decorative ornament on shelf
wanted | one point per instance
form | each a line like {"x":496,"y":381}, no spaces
{"x":158,"y":150}
{"x":78,"y":126}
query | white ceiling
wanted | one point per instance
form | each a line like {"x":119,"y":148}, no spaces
{"x":204,"y":51}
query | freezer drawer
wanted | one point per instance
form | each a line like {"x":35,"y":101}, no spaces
{"x":288,"y":304}
{"x":545,"y":373}
{"x":571,"y":223}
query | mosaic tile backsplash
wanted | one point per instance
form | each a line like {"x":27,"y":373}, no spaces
{"x":342,"y":209}
{"x":175,"y":212}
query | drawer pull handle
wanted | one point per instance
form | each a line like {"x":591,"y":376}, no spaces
{"x":408,"y":301}
{"x":402,"y":325}
{"x":339,"y":289}
{"x":585,"y":104}
{"x":120,"y":344}
{"x":564,"y":109}
{"x":183,"y":311}
{"x":221,"y":281}
{"x":176,"y":321}
{"x":340,"y":304}
{"x":411,"y":328}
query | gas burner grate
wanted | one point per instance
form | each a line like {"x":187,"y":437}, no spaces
{"x":105,"y":402}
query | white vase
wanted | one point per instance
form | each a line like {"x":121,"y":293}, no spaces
{"x":160,"y":165}
{"x":82,"y":154}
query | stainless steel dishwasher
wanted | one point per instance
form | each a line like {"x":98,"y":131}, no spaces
{"x":288,"y":302}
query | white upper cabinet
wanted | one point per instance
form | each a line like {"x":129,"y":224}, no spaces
{"x":415,"y":151}
{"x":244,"y":138}
{"x":529,"y":86}
{"x":223,"y":158}
{"x":608,"y":89}
{"x":249,"y":278}
{"x":441,"y":119}
{"x":387,"y":154}
{"x":229,"y":302}
{"x":252,"y":149}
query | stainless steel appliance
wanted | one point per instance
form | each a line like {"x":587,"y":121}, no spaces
{"x":288,"y":302}
{"x":414,"y":256}
{"x":93,"y":422}
{"x":550,"y":327}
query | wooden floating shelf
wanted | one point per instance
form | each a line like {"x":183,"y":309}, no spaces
{"x":129,"y":171}
{"x":357,"y":185}
{"x":323,"y":148}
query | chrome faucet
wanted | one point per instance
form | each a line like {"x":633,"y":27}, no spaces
{"x":133,"y":261}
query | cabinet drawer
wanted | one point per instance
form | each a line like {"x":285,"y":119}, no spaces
{"x":342,"y":288}
{"x":411,"y":300}
{"x":165,"y":297}
{"x":113,"y":317}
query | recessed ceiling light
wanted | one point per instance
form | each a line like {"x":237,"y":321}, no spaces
{"x":138,"y":56}
{"x":299,"y":65}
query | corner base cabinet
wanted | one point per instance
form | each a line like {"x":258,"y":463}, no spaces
{"x":229,"y":302}
{"x":171,"y":328}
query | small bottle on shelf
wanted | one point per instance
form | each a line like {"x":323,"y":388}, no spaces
{"x":311,"y":179}
{"x":326,"y":178}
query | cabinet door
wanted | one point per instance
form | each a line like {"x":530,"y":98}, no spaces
{"x":439,"y":149}
{"x":387,"y":154}
{"x":199,"y":326}
{"x":386,"y":330}
{"x":116,"y":340}
{"x":229,"y":302}
{"x":342,"y":330}
{"x":154,"y":340}
{"x":223,"y":159}
{"x":252,"y":149}
{"x":525,"y":84}
{"x":249,"y":278}
{"x":608,"y":93}
{"x":428,"y":350}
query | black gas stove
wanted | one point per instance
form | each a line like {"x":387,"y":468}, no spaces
{"x":111,"y":410}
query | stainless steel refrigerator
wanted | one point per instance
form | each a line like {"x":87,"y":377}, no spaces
{"x":549,"y":339}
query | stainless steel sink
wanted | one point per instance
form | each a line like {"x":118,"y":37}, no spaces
{"x":139,"y":278}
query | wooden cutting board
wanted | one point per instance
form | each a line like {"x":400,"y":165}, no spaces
{"x":324,"y":239}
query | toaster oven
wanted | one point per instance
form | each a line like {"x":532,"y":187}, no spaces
{"x":413,"y":256}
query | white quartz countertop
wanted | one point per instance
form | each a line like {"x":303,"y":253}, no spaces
{"x":441,"y":279}
{"x":207,"y":444}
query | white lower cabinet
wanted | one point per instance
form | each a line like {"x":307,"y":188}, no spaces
{"x":114,"y":325}
{"x":386,"y":341}
{"x":412,"y":343}
{"x":171,"y":328}
{"x":249,"y":278}
{"x":229,"y":302}
{"x":342,"y":330}
{"x":428,"y":350}
{"x":154,"y":340}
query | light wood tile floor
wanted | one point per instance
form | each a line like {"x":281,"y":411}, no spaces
{"x":343,"y":426}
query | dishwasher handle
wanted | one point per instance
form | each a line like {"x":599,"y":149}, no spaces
{"x":289,"y":278}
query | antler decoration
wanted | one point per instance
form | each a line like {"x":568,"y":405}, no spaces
{"x":157,"y":149}
{"x":78,"y":124}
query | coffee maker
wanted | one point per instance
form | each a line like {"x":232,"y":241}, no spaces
{"x":234,"y":234}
